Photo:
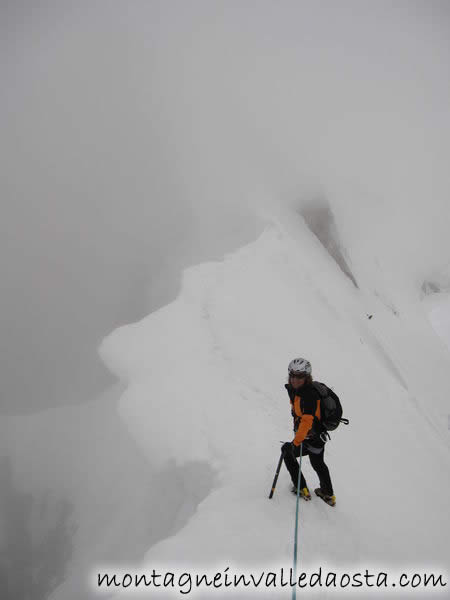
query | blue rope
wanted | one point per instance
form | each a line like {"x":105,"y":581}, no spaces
{"x":294,"y":589}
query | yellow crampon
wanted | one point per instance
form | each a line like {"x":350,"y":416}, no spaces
{"x":304,"y":493}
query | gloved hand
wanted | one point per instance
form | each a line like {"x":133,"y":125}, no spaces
{"x":287,"y":447}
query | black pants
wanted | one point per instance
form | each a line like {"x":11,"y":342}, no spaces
{"x":317,"y":464}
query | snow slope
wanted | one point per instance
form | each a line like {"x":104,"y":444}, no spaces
{"x":204,"y":382}
{"x":176,"y":462}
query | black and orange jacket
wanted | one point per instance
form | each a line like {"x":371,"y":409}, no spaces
{"x":305,"y":406}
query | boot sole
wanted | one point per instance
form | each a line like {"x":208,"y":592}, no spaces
{"x":326,"y":501}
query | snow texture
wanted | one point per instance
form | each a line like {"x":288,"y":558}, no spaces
{"x":204,"y":384}
{"x":182,"y":469}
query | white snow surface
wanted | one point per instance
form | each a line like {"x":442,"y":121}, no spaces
{"x":205,"y":379}
{"x":172,"y":469}
{"x":439,"y":315}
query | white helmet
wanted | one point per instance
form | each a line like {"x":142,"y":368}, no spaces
{"x":299,"y":365}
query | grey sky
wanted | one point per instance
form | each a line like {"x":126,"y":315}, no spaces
{"x":95,"y":225}
{"x":139,"y":137}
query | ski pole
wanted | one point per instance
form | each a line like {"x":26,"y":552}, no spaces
{"x":294,"y":589}
{"x":277,"y":472}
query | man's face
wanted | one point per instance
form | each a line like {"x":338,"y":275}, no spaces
{"x":297,"y":380}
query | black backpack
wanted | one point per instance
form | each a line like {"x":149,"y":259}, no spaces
{"x":330,"y":407}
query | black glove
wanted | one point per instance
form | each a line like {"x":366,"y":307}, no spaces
{"x":287,"y":447}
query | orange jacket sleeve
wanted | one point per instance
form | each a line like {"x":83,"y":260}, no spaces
{"x":303,"y":429}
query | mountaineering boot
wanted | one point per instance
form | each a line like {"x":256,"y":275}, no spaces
{"x":304,"y":492}
{"x":331,"y":500}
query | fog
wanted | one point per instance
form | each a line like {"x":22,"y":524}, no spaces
{"x":140,"y":138}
